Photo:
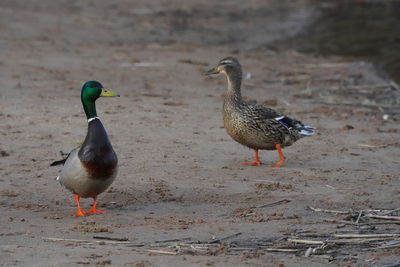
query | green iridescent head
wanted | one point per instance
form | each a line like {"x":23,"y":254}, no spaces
{"x":90,"y":92}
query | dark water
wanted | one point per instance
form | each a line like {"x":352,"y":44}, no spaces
{"x":366,"y":30}
{"x":363,"y":29}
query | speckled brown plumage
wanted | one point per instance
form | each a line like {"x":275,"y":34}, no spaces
{"x":254,"y":125}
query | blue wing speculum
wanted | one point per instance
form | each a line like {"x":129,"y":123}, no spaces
{"x":295,"y":125}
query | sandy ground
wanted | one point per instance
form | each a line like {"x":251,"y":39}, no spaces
{"x":180,"y":174}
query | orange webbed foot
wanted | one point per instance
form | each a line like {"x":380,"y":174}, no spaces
{"x":280,"y":163}
{"x":252,"y":163}
{"x":256,"y":161}
{"x":94,"y":210}
{"x":79,"y":212}
{"x":281,"y":157}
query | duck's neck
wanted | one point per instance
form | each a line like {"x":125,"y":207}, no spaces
{"x":90,"y":108}
{"x":96,"y":135}
{"x":234,"y":83}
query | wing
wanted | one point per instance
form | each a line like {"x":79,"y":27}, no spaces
{"x":59,"y":162}
{"x":268,"y":118}
{"x":261,"y":112}
{"x":62,"y":161}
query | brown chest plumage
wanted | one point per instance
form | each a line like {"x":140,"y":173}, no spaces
{"x":101,"y":167}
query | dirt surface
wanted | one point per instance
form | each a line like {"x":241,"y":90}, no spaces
{"x":180,"y":174}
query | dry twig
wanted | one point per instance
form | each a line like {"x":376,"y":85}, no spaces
{"x":329,"y":211}
{"x":54,"y":239}
{"x":224,"y":238}
{"x":289,"y":250}
{"x":306,"y":241}
{"x":162,"y":252}
{"x":383,"y":217}
{"x":390,"y":212}
{"x":359,"y":224}
{"x":359,"y":216}
{"x":384,"y":247}
{"x":283,"y":201}
{"x":111,"y":238}
{"x":173,"y":240}
{"x":365,"y":235}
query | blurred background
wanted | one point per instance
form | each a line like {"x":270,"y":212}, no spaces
{"x":361,"y":29}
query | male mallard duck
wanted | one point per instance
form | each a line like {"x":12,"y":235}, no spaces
{"x":255,"y":125}
{"x":89,"y":169}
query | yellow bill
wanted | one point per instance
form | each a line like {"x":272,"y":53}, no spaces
{"x":108,"y":93}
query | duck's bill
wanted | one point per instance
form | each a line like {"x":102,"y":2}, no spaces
{"x":212,"y":71}
{"x":108,"y":93}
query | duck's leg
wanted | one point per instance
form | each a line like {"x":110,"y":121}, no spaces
{"x":281,"y":157}
{"x":79,"y":212}
{"x":93,"y":209}
{"x":256,"y":161}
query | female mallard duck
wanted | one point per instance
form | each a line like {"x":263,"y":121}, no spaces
{"x":91,"y":168}
{"x":255,"y":125}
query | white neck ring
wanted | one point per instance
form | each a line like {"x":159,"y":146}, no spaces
{"x":91,"y":119}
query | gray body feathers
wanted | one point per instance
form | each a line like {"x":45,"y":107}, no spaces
{"x":75,"y":177}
